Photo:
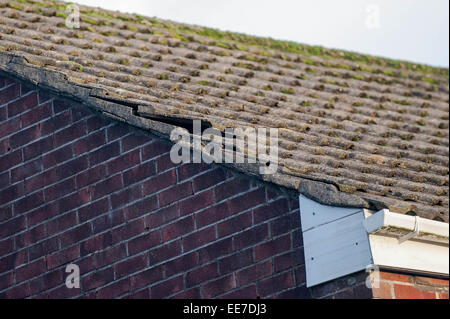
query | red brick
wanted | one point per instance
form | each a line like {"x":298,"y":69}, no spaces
{"x":42,"y":213}
{"x":80,"y":112}
{"x":234,"y":224}
{"x":6,"y":246}
{"x":44,"y":97}
{"x":159,"y":182}
{"x":247,"y":200}
{"x":199,"y":238}
{"x":107,"y":186}
{"x":431,"y":281}
{"x":294,"y":293}
{"x":181,"y":264}
{"x":60,"y":105}
{"x":123,"y":162}
{"x":139,"y":173}
{"x":117,"y":130}
{"x":403,"y":291}
{"x":62,"y":257}
{"x":70,"y":133}
{"x":146,"y":277}
{"x":285,"y":224}
{"x":37,"y":114}
{"x":30,"y":236}
{"x":238,"y":260}
{"x":193,"y":293}
{"x":144,"y":242}
{"x":218,"y":286}
{"x":212,"y":214}
{"x":251,"y":237}
{"x":273,"y":247}
{"x":104,"y":153}
{"x":164,"y":163}
{"x":165,"y":252}
{"x":231,"y":188}
{"x":19,"y":105}
{"x":178,"y":228}
{"x":72,"y":167}
{"x":97,"y":122}
{"x":57,"y":156}
{"x":209,"y":179}
{"x":204,"y":273}
{"x":141,"y":294}
{"x":31,"y":270}
{"x":175,"y":193}
{"x":393,"y":276}
{"x":17,"y":292}
{"x":167,"y":287}
{"x":11,"y":193}
{"x":254,"y":273}
{"x":24,"y":137}
{"x":6,"y":280}
{"x":162,"y":216}
{"x":2,"y":113}
{"x":13,"y":260}
{"x":97,"y":278}
{"x":43,"y":248}
{"x":89,"y":142}
{"x":274,"y":284}
{"x":131,"y":265}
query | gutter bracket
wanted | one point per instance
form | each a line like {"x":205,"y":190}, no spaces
{"x":412,"y":234}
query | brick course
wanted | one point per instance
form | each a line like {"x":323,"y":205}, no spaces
{"x":80,"y":188}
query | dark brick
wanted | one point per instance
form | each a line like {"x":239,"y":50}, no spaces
{"x":236,"y":261}
{"x":165,"y":252}
{"x":139,"y":173}
{"x":115,"y":289}
{"x":144,"y":242}
{"x":31,"y":270}
{"x":254,"y":273}
{"x":128,"y":230}
{"x":91,"y":176}
{"x":234,"y":224}
{"x":126,"y":196}
{"x":131,"y":265}
{"x":218,"y":286}
{"x":199,"y":238}
{"x":175,"y":193}
{"x":273,"y":247}
{"x":212,"y":214}
{"x":38,"y":148}
{"x":96,"y":122}
{"x":274,"y":284}
{"x":167,"y":287}
{"x":204,"y":273}
{"x":110,"y":255}
{"x":178,"y":228}
{"x":89,"y":142}
{"x":29,"y":202}
{"x":116,"y":131}
{"x":248,"y":200}
{"x":57,"y":156}
{"x":24,"y":137}
{"x":216,"y":250}
{"x":60,"y":189}
{"x":181,"y":264}
{"x":96,"y":243}
{"x":146,"y":277}
{"x":231,"y":188}
{"x":144,"y":206}
{"x":251,"y":237}
{"x":196,"y":202}
{"x":289,"y":260}
{"x":37,"y":114}
{"x":285,"y":224}
{"x":162,"y":216}
{"x":243,"y":293}
{"x":154,"y":149}
{"x":164,"y":163}
{"x":134,"y":140}
{"x":26,"y":170}
{"x":104,"y":153}
{"x":209,"y":179}
{"x":11,"y":193}
{"x":62,"y":257}
{"x":97,"y":278}
{"x":12,"y":226}
{"x":107,"y":186}
{"x":10,"y":160}
{"x":271,"y":210}
{"x":55,"y":123}
{"x":70,"y":133}
{"x":123,"y":162}
{"x":19,"y":105}
{"x":108,"y":221}
{"x":159,"y":182}
{"x":43,"y":248}
{"x":186,"y":171}
{"x":60,"y":105}
{"x":9,"y":127}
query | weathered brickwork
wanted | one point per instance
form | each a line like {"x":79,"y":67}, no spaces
{"x":79,"y":188}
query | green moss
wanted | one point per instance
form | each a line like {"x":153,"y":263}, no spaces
{"x":206,"y":83}
{"x":287,"y":91}
{"x":124,"y":62}
{"x":306,"y":103}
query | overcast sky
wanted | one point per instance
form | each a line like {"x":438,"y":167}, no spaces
{"x":413,"y":30}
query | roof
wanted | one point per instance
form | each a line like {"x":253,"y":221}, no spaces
{"x":355,"y":130}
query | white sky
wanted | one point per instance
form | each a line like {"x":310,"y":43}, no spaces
{"x":412,"y":30}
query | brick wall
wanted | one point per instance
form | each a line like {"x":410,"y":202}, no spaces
{"x":404,"y":286}
{"x":78,"y":188}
